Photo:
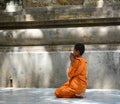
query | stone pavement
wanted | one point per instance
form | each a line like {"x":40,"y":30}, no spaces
{"x":46,"y":96}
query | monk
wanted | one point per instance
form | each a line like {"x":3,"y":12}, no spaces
{"x":76,"y":85}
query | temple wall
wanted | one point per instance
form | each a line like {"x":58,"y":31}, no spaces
{"x":45,"y":61}
{"x":40,"y":57}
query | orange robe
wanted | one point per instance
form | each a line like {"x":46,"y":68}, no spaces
{"x":77,"y":81}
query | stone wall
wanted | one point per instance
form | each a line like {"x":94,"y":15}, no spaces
{"x":45,"y":61}
{"x":13,"y":13}
{"x":40,"y":57}
{"x":44,"y":3}
{"x":88,"y":3}
{"x":60,"y":36}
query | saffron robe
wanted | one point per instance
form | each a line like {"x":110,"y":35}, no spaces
{"x":77,"y":81}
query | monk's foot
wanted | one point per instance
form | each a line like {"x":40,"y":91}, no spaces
{"x":80,"y":96}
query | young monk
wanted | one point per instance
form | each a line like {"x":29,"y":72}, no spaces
{"x":76,"y":85}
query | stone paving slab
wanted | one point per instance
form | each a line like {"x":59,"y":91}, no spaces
{"x":46,"y":96}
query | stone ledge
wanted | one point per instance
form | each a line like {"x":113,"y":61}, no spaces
{"x":61,"y":23}
{"x":49,"y":48}
{"x":60,"y":36}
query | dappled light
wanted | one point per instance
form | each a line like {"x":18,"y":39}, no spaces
{"x":34,"y":33}
{"x":26,"y":68}
{"x":10,"y":7}
{"x":100,"y":3}
{"x":28,"y":17}
{"x":103,"y":31}
{"x":28,"y":33}
{"x":118,"y":27}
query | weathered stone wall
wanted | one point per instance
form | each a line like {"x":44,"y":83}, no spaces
{"x":90,"y":3}
{"x":44,"y":63}
{"x":33,"y":67}
{"x":40,"y":57}
{"x":61,"y":36}
{"x":106,"y":8}
{"x":44,"y":3}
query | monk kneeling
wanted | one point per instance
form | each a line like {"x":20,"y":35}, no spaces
{"x":77,"y":81}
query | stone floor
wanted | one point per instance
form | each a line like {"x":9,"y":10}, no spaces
{"x":46,"y":96}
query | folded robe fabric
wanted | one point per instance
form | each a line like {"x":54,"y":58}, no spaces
{"x":77,"y":81}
